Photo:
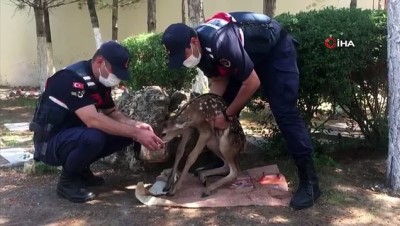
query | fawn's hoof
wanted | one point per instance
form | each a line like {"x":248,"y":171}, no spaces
{"x":170,"y":194}
{"x":204,"y":195}
{"x":167,"y":187}
{"x":207,"y":192}
{"x":203,"y":179}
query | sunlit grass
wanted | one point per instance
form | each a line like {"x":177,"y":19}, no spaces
{"x":10,"y":112}
{"x":15,"y":139}
{"x":28,"y":103}
{"x":40,"y":168}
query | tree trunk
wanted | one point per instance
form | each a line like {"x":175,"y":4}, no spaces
{"x":45,"y":65}
{"x":196,"y":17}
{"x":393,"y":162}
{"x":195,"y":12}
{"x":95,"y":22}
{"x":41,"y":43}
{"x":114,"y":22}
{"x":353,"y":4}
{"x":183,"y":11}
{"x":49,"y":46}
{"x":269,"y":7}
{"x":151,"y":15}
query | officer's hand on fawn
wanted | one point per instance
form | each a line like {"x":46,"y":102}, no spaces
{"x":219,"y":121}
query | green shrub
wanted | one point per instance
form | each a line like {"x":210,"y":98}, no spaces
{"x":353,"y":78}
{"x":149,"y":65}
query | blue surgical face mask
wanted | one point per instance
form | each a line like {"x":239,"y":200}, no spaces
{"x":111,"y":80}
{"x":192,"y":61}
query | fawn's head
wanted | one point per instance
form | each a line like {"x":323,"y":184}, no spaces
{"x":174,"y":127}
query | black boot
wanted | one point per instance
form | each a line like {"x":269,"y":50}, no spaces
{"x":89,"y":179}
{"x":70,"y":187}
{"x":308,"y":191}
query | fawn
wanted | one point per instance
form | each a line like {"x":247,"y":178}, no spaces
{"x":226,"y":144}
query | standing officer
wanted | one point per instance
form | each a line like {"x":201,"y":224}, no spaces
{"x":76,"y":122}
{"x":240,"y":51}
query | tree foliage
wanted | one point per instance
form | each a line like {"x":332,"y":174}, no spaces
{"x":149,"y":65}
{"x":39,"y":3}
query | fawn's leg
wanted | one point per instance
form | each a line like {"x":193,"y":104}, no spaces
{"x":179,"y":153}
{"x":201,"y":143}
{"x":223,"y":171}
{"x":229,"y":153}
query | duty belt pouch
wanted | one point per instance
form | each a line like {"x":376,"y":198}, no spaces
{"x":37,"y":131}
{"x":37,"y":155}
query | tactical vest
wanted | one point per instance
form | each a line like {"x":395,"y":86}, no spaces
{"x":260,"y":32}
{"x":257,"y":33}
{"x":50,"y":113}
{"x":79,"y":68}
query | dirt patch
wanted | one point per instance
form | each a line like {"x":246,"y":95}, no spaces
{"x":353,"y":194}
{"x":347,"y":200}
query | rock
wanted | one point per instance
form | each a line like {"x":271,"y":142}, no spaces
{"x":149,"y":105}
{"x":177,"y":98}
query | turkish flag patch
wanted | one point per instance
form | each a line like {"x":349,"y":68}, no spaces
{"x":78,"y":85}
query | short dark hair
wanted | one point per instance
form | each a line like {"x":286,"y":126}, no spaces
{"x":96,"y":54}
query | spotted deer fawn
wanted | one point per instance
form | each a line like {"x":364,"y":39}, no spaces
{"x":226,"y":144}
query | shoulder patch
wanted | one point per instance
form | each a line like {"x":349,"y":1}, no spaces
{"x":78,"y":85}
{"x":91,"y":83}
{"x":78,"y":93}
{"x":225,"y":62}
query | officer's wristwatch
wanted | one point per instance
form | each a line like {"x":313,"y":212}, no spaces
{"x":226,"y":116}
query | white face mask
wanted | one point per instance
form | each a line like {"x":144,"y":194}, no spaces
{"x":192,"y":61}
{"x":111,"y":80}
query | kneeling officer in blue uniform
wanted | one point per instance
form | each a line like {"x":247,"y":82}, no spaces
{"x":240,"y":52}
{"x":76,"y":121}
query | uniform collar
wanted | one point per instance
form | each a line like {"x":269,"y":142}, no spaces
{"x":88,"y":69}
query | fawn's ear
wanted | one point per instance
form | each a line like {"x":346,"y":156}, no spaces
{"x":180,"y":126}
{"x":184,"y":124}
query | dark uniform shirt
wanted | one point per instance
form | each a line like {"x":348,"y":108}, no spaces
{"x":223,"y":54}
{"x":225,"y":45}
{"x":71,"y":91}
